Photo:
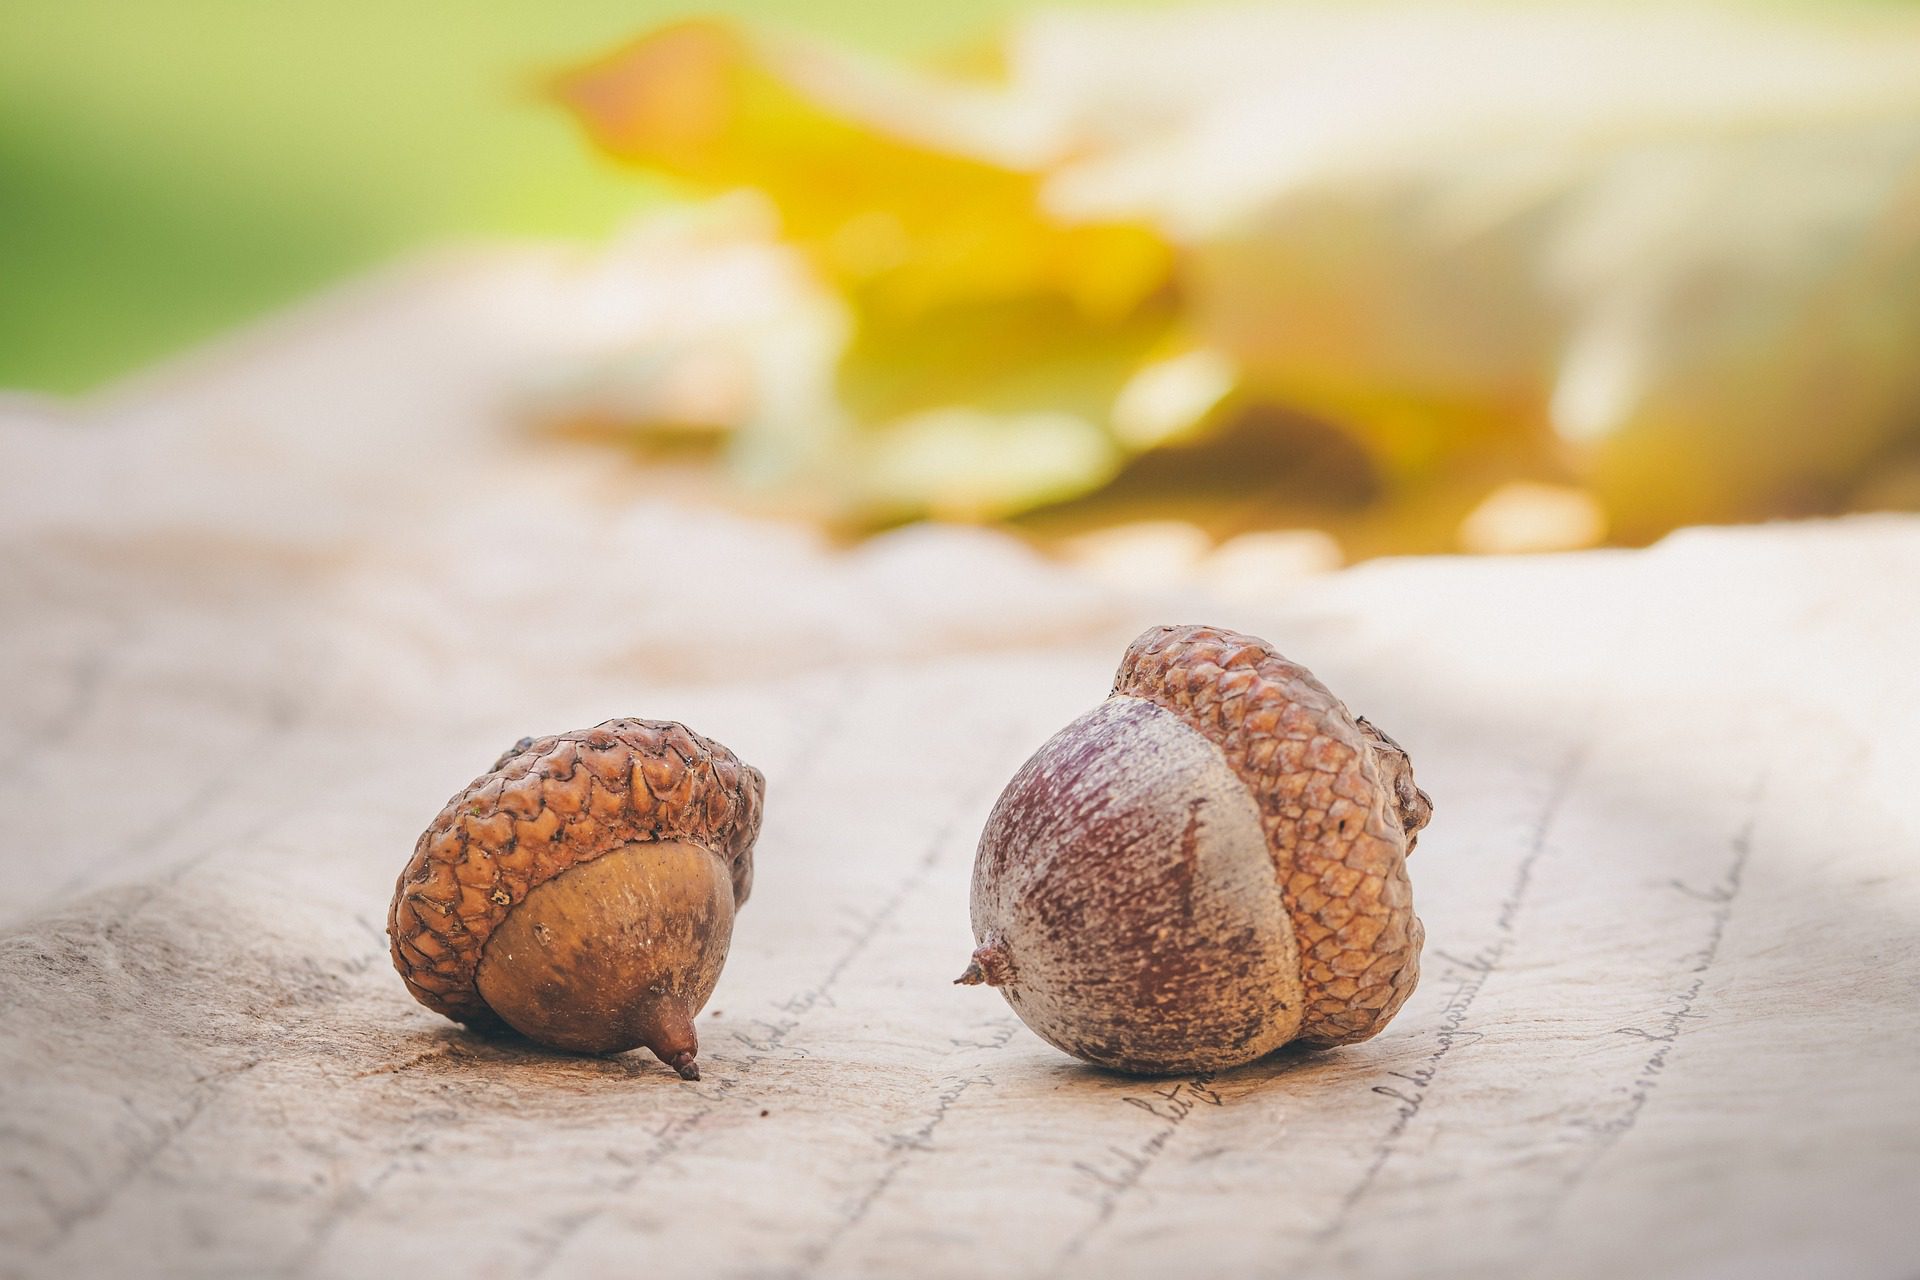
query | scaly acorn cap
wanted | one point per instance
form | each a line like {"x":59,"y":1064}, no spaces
{"x":547,"y":805}
{"x":1337,"y":803}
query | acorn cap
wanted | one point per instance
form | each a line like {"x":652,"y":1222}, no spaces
{"x":1337,"y":804}
{"x":547,"y":805}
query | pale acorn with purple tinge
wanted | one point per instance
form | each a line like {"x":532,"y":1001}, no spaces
{"x":1207,"y":866}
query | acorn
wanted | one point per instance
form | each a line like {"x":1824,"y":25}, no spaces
{"x":1207,"y":866}
{"x":582,"y":892}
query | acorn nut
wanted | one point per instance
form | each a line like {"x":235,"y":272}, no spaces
{"x":1207,"y":866}
{"x":583,"y":891}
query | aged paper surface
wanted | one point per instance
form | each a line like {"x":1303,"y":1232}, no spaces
{"x":264,"y":615}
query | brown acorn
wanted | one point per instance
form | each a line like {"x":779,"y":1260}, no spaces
{"x":583,"y":891}
{"x":1207,"y":866}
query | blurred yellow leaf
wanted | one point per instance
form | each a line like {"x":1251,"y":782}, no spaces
{"x":891,"y":187}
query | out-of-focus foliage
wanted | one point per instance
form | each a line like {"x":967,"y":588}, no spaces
{"x":171,"y":168}
{"x":989,"y":334}
{"x":1493,"y":276}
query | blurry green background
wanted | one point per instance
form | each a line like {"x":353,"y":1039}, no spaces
{"x":170,"y":167}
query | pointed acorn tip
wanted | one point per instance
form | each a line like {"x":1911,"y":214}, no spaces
{"x":685,"y":1065}
{"x":990,"y":964}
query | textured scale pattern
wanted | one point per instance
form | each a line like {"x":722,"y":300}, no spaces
{"x":547,"y":805}
{"x":1337,"y":802}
